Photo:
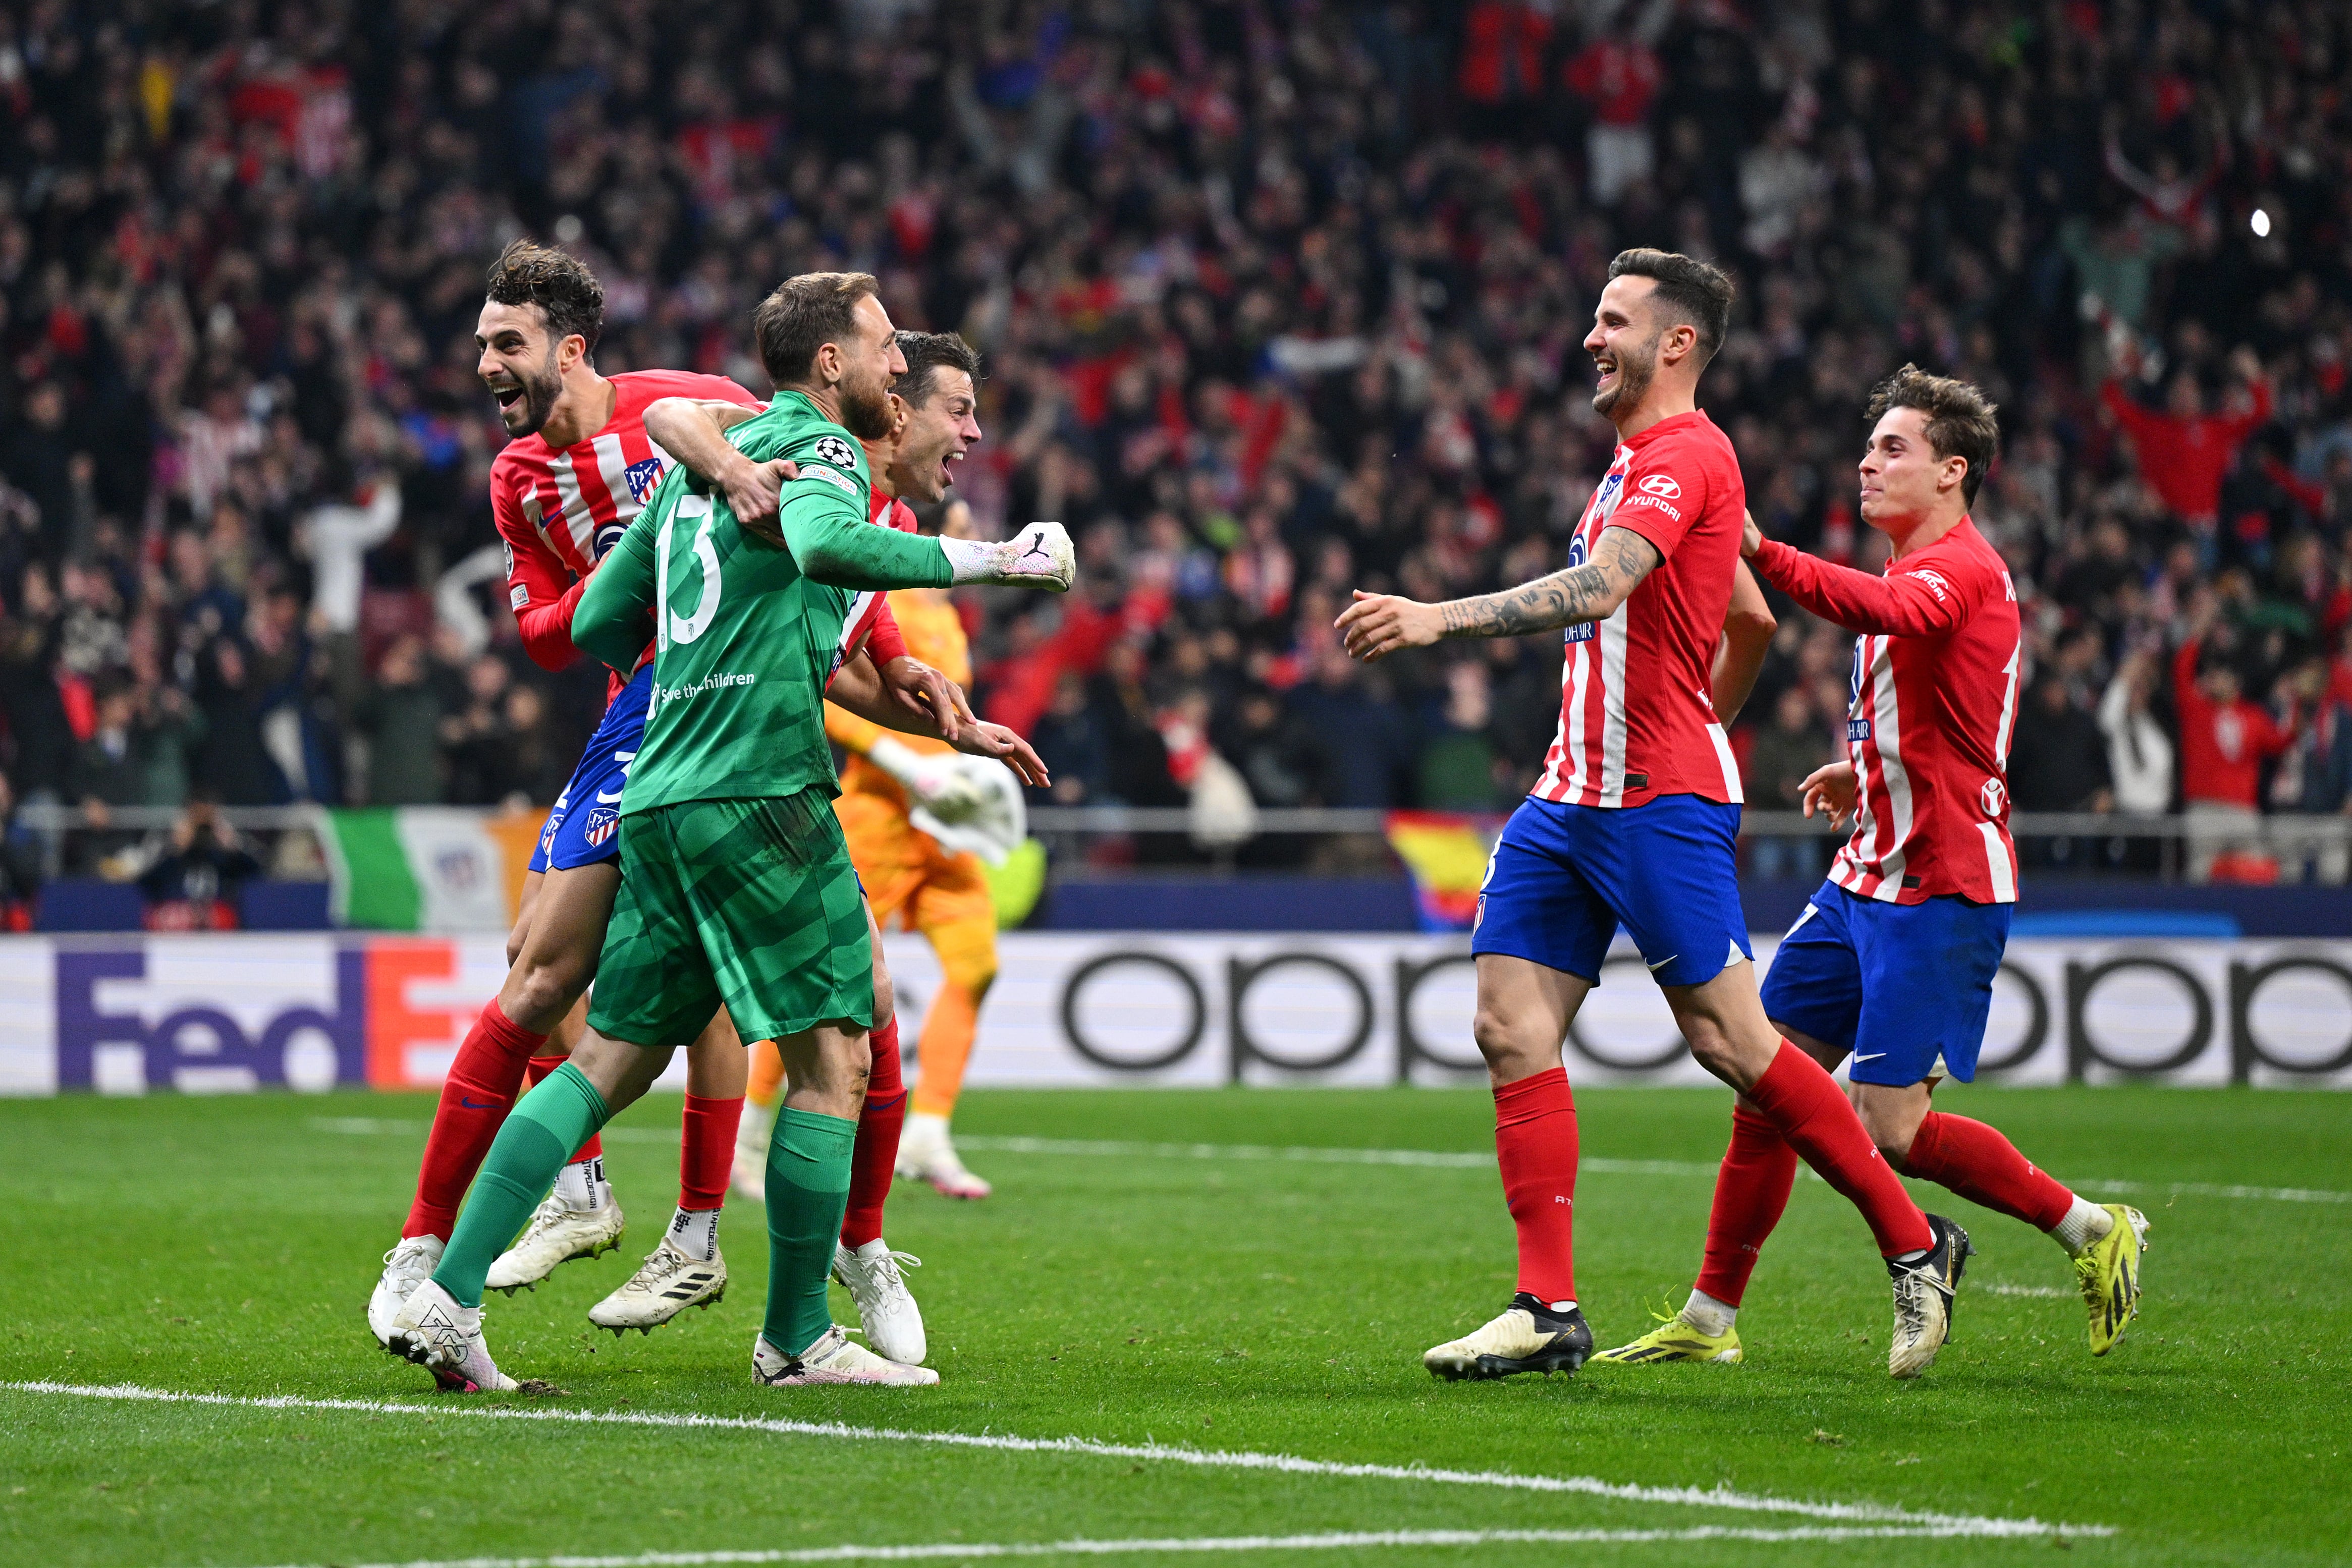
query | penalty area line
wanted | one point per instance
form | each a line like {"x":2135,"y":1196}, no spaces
{"x":1338,"y":1541}
{"x":1857,"y":1513}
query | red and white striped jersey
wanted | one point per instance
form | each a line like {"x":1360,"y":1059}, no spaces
{"x":1637,"y":716}
{"x":869,"y":622}
{"x":560,"y":511}
{"x":1934,"y":697}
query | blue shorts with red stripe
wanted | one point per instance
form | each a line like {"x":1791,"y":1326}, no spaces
{"x":584,"y":828}
{"x":1563,"y":878}
{"x":1905,"y":987}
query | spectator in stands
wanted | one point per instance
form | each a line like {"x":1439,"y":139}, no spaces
{"x":1791,"y":747}
{"x":198,"y":884}
{"x":2224,"y":740}
{"x":1458,"y":759}
{"x":400,"y":716}
{"x":2058,"y":762}
{"x":1363,"y":747}
{"x":2312,"y":786}
{"x":20,"y":873}
{"x":1254,"y":283}
{"x":2139,"y":752}
{"x":2185,"y":451}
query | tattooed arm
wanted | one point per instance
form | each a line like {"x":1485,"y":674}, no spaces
{"x":1378,"y":624}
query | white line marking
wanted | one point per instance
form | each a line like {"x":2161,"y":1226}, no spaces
{"x":1334,"y":1541}
{"x":1425,"y":1158}
{"x":1204,"y":1459}
{"x":2049,"y":1290}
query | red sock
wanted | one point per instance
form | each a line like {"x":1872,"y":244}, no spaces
{"x":1978,"y":1162}
{"x":1750,"y":1192}
{"x":1535,"y":1144}
{"x":706,"y":1153}
{"x":1804,"y":1104}
{"x":474,"y":1099}
{"x":875,"y":1156}
{"x":541,"y":1066}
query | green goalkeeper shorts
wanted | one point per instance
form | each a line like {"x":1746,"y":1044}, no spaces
{"x":749,"y":902}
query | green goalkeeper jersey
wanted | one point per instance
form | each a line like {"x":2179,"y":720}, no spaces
{"x":746,"y":634}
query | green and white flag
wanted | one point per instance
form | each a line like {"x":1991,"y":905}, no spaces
{"x":437,"y":869}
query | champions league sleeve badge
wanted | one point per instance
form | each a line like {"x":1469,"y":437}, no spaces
{"x":833,"y":449}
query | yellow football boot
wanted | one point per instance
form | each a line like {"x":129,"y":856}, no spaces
{"x":1675,"y":1339}
{"x":2108,"y":1276}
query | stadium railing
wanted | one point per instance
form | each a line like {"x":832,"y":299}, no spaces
{"x":2151,"y":846}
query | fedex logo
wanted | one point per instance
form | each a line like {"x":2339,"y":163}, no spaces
{"x":167,"y":1015}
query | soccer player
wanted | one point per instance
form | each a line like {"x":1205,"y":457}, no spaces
{"x":934,"y":404}
{"x":1893,"y":962}
{"x":737,"y":888}
{"x":1634,"y":821}
{"x":939,"y":891}
{"x":578,"y":468}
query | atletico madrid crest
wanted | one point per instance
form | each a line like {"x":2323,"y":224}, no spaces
{"x":601,"y":823}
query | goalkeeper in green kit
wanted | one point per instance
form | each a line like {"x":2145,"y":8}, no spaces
{"x":736,"y":886}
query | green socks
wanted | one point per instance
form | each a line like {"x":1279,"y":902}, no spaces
{"x":538,"y":1135}
{"x":808,"y":1192}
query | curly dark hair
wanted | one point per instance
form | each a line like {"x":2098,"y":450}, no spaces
{"x":566,"y":292}
{"x":1961,"y":421}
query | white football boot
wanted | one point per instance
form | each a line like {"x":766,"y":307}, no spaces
{"x":926,"y":1154}
{"x":1530,"y":1335}
{"x":893,"y":1323}
{"x":834,"y":1358}
{"x":749,"y":1181}
{"x":557,"y":1233}
{"x":433,"y":1331}
{"x":665,"y":1285}
{"x":1923,"y":1299}
{"x":405,"y":1267}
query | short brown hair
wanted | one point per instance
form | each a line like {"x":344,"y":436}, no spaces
{"x":1691,"y":291}
{"x":803,"y":315}
{"x":565,"y":292}
{"x":929,"y":353}
{"x":1961,"y":420}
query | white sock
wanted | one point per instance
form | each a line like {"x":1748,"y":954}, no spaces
{"x":2085,"y":1225}
{"x":694,"y":1232}
{"x":581,"y":1186}
{"x":924,"y":1130}
{"x":1707,"y":1315}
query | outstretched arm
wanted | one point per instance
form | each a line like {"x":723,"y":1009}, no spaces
{"x":1377,"y":624}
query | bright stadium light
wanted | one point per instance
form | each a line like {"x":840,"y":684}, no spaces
{"x":2262,"y":224}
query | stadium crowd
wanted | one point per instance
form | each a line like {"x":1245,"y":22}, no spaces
{"x":1279,"y":300}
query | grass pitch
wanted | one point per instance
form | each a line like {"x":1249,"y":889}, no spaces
{"x":1186,"y":1309}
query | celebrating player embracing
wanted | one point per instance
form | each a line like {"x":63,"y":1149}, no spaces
{"x":736,"y":887}
{"x":1634,"y":822}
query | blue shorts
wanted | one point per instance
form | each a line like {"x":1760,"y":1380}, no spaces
{"x":1563,"y":877}
{"x":583,"y":828}
{"x":1905,"y":987}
